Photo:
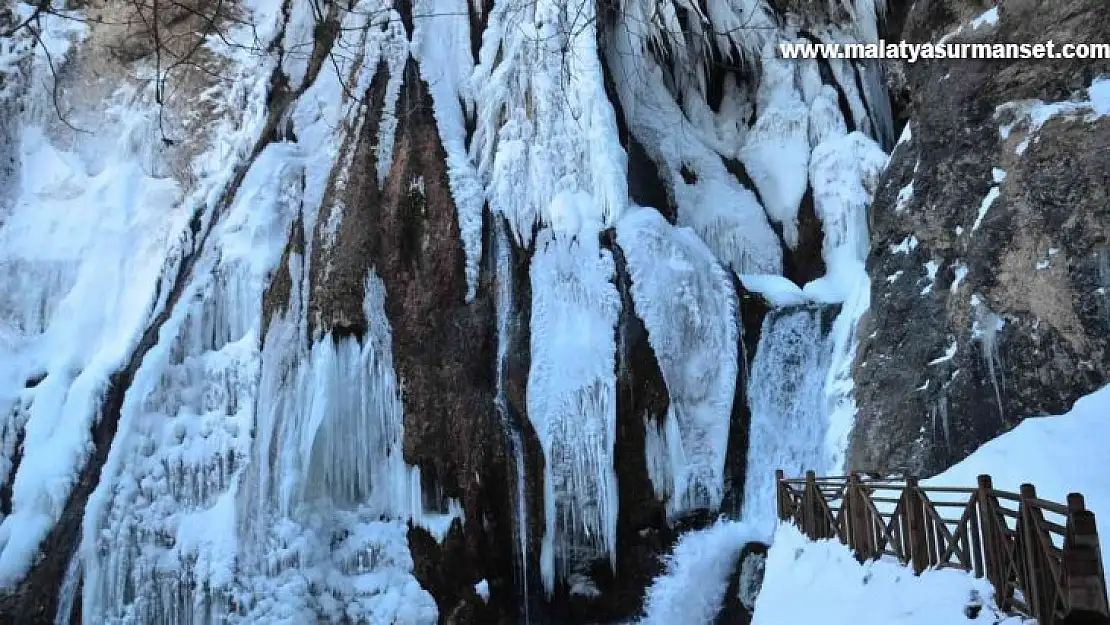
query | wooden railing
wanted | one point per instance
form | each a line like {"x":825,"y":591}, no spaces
{"x":1042,"y":557}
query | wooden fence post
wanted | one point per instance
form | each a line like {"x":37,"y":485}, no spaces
{"x":915,"y":517}
{"x":1030,"y":555}
{"x":809,"y":506}
{"x":859,"y":535}
{"x":780,"y":494}
{"x":992,"y":546}
{"x":1084,"y":578}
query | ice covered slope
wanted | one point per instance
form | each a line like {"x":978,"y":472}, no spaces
{"x":821,"y":582}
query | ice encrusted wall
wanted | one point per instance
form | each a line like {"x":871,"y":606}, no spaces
{"x":190,"y":443}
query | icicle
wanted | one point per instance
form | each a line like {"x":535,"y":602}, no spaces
{"x":67,"y":594}
{"x":572,"y":398}
{"x":544,"y":123}
{"x":720,"y":210}
{"x":688,"y":306}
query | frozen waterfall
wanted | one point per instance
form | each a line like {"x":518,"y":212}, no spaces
{"x":786,"y":395}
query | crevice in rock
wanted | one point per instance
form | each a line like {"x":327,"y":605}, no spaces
{"x":404,"y":9}
{"x":478,"y":23}
{"x":751,"y":310}
{"x":828,"y":78}
{"x":806,"y":262}
{"x":645,"y":183}
{"x":6,"y":488}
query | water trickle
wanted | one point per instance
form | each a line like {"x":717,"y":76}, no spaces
{"x":506,"y":318}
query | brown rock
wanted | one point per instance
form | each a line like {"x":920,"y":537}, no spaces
{"x":1036,"y":261}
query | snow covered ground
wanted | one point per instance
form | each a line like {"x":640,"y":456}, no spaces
{"x":821,"y":582}
{"x":1055,"y":453}
{"x":1059,"y":455}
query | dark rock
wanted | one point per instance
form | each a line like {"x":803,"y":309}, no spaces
{"x":444,"y":348}
{"x":1037,"y":264}
{"x":743,"y":586}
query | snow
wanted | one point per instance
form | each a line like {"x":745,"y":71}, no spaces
{"x":905,"y":194}
{"x":544,"y":125}
{"x":777,"y":147}
{"x":838,"y":590}
{"x":689,"y":308}
{"x":482,"y":589}
{"x":1099,"y":92}
{"x":1032,"y":115}
{"x":777,"y":290}
{"x":1053,"y":453}
{"x":931,"y":269}
{"x":985,"y":206}
{"x":949,"y":353}
{"x":907,"y":134}
{"x":987,"y":18}
{"x":960,"y":272}
{"x":693,"y":586}
{"x":571,"y":398}
{"x":906,"y":246}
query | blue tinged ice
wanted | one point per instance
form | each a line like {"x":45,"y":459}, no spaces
{"x":727,"y":216}
{"x":825,"y":119}
{"x":693,"y":586}
{"x":778,"y":145}
{"x":786,"y":395}
{"x":686,"y":300}
{"x":572,"y":398}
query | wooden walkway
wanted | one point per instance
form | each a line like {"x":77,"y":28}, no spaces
{"x":1043,"y":558}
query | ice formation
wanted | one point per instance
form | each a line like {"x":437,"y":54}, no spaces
{"x":786,"y":395}
{"x":544,"y":124}
{"x":441,"y":43}
{"x":572,"y":397}
{"x":256,"y":473}
{"x":687,"y":302}
{"x":776,"y":151}
{"x":710,"y":200}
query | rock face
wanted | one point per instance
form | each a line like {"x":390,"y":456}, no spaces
{"x":989,"y":258}
{"x":444,"y":348}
